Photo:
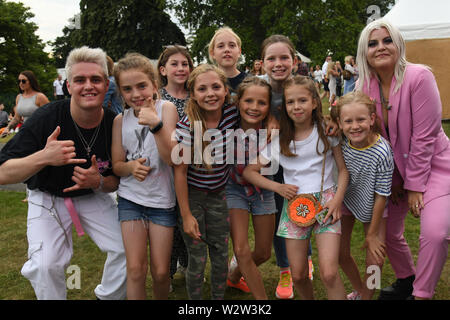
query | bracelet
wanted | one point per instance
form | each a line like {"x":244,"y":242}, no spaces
{"x":157,"y":127}
{"x":100,"y":186}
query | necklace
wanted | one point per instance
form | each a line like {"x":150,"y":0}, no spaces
{"x":87,"y":146}
{"x":384,"y":103}
{"x":52,"y":211}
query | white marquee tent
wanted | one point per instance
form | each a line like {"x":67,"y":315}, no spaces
{"x":419,"y":19}
{"x":425,"y":25}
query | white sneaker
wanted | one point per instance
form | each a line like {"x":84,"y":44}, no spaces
{"x":354,"y":295}
{"x":232,"y":265}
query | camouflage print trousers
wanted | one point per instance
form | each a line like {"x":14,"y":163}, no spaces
{"x":209,"y":208}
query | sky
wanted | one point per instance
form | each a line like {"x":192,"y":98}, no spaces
{"x":51,"y":16}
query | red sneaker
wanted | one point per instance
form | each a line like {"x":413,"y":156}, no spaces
{"x":241,"y":285}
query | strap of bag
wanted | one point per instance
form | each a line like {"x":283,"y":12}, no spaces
{"x":323,"y":175}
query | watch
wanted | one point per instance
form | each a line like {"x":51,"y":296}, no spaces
{"x":157,"y":127}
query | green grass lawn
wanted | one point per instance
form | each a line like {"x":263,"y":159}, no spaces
{"x":13,"y":254}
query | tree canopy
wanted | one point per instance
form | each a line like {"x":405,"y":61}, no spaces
{"x":314,"y":26}
{"x":120,"y":26}
{"x":21,"y":49}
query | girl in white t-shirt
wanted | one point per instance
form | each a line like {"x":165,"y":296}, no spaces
{"x":300,"y":151}
{"x":141,"y":158}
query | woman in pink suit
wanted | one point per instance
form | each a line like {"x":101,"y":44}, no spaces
{"x":409,"y":105}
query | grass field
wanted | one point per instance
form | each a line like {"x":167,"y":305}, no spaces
{"x":13,"y":254}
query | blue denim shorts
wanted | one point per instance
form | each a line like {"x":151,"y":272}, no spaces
{"x":129,"y":210}
{"x":255,"y":204}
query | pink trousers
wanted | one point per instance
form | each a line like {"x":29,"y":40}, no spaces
{"x":397,"y":248}
{"x":433,"y":244}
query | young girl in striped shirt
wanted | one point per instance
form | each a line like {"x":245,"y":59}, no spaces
{"x":201,"y":175}
{"x":369,"y":160}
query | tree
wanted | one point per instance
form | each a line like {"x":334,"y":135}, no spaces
{"x":334,"y":26}
{"x":21,"y":49}
{"x":120,"y":26}
{"x":314,"y":26}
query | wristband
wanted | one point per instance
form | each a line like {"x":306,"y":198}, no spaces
{"x":157,"y":127}
{"x":100,"y":186}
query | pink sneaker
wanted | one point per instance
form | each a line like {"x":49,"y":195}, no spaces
{"x":311,"y":268}
{"x":285,"y":288}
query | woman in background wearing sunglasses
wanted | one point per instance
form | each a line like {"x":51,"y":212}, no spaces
{"x":28,"y":100}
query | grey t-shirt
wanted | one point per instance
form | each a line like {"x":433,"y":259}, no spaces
{"x":277,"y":99}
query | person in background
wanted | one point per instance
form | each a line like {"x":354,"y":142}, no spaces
{"x":58,"y":88}
{"x":349,"y":85}
{"x":65,"y":89}
{"x":112,"y":100}
{"x":325,"y":79}
{"x":332,"y":74}
{"x":311,"y":73}
{"x":338,"y":80}
{"x":302,"y":67}
{"x":318,"y":77}
{"x":28,"y":100}
{"x":257,"y":68}
{"x":3,"y":116}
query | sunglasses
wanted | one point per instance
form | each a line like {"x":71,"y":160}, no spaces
{"x":22,"y":80}
{"x":174,"y":46}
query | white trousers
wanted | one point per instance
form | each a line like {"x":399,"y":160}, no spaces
{"x":50,"y":248}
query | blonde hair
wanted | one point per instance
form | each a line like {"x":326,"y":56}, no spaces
{"x":193,"y":111}
{"x":330,"y":67}
{"x":287,"y":130}
{"x":86,"y":54}
{"x":348,"y":59}
{"x":366,"y":71}
{"x":216,"y":34}
{"x":361,"y":98}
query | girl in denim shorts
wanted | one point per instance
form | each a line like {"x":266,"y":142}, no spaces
{"x":253,"y":100}
{"x":146,"y":190}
